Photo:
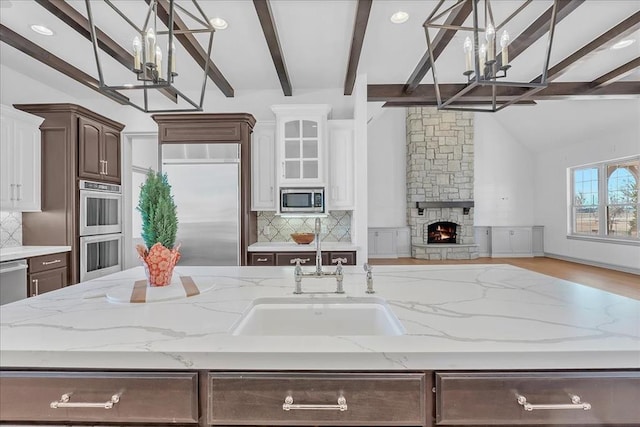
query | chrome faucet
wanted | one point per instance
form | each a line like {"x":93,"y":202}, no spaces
{"x":368,"y":269}
{"x":298,"y":274}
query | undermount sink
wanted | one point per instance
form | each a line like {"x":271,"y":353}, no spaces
{"x":318,"y":316}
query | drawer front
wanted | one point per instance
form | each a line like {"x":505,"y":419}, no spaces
{"x":371,"y":399}
{"x":492,"y":399}
{"x":349,"y":256}
{"x":143,"y":397}
{"x":47,"y":262}
{"x":308,"y":258}
{"x":258,"y":258}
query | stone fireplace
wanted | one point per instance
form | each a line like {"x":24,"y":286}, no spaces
{"x":440,"y":184}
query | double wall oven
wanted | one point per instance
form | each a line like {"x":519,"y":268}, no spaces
{"x":100,"y":229}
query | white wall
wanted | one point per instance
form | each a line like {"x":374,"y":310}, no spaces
{"x":551,"y":200}
{"x":387,"y":166}
{"x":504,"y":179}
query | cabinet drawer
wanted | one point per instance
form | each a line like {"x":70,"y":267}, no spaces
{"x":143,"y":397}
{"x":47,"y":262}
{"x":308,"y":258}
{"x":349,"y":256}
{"x":259,"y":258}
{"x":370,"y":399}
{"x":492,"y":398}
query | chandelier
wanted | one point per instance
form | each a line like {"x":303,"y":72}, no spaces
{"x":485,"y":53}
{"x":150,"y":85}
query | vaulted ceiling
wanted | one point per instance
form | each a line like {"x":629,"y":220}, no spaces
{"x":294,"y":45}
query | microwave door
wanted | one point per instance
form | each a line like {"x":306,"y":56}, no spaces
{"x":298,"y":200}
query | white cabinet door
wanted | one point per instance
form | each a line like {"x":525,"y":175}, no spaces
{"x":483,"y":240}
{"x":382,"y":243}
{"x":341,"y":165}
{"x":263,"y":191}
{"x":511,"y":242}
{"x":20,"y":151}
{"x":403,"y":241}
{"x":301,"y":144}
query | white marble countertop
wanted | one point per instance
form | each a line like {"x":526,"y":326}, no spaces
{"x":294,"y":247}
{"x":455,"y":316}
{"x":22,"y":252}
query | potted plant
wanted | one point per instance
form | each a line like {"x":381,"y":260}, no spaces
{"x":159,"y":227}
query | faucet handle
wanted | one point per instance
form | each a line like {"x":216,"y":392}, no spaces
{"x":338,"y":261}
{"x":367,"y":268}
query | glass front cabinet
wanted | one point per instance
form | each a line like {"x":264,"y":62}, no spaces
{"x":301,"y":144}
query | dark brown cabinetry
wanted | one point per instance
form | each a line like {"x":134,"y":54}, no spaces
{"x":317,"y":399}
{"x":47,"y":273}
{"x":307,"y":258}
{"x":76,"y":144}
{"x":538,"y":398}
{"x":99,"y":397}
{"x":98,"y":151}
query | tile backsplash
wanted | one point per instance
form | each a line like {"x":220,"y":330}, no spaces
{"x":336,"y":227}
{"x":10,"y":229}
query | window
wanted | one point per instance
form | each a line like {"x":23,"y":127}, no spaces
{"x":604,"y":199}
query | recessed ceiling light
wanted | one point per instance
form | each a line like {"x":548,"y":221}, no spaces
{"x":399,"y":17}
{"x":623,"y":43}
{"x":41,"y":29}
{"x":218,"y":23}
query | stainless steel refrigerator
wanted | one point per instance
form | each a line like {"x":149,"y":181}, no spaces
{"x":205,"y":182}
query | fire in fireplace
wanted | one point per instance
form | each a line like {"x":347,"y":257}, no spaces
{"x":442,"y":232}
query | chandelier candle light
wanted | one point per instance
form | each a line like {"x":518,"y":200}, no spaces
{"x":482,"y":67}
{"x":148,"y":51}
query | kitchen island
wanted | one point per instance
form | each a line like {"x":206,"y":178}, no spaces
{"x":495,"y":336}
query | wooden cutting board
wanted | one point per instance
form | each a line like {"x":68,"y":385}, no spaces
{"x":140,"y":292}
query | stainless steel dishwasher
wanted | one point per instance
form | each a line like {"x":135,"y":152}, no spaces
{"x":13,"y":281}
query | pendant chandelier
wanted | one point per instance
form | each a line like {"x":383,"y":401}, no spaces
{"x":485,"y":50}
{"x":151,"y":86}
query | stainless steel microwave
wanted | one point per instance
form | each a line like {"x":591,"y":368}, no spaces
{"x":301,"y":200}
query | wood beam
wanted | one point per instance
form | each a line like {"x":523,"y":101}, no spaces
{"x":623,"y":29}
{"x":440,"y":42}
{"x":453,"y":104}
{"x":539,"y":28}
{"x":359,"y":29}
{"x":263,"y":9}
{"x":564,"y":90}
{"x":26,"y":46}
{"x":191,"y":45}
{"x":70,"y":16}
{"x":617,"y":74}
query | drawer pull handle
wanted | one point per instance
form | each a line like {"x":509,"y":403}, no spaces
{"x":302,"y":261}
{"x":64,"y":403}
{"x":55,"y":261}
{"x":288,"y":405}
{"x":262,"y":259}
{"x":576,"y":403}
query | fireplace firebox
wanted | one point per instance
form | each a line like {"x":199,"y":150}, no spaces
{"x":442,"y":232}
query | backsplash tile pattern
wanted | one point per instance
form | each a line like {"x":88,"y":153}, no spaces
{"x":336,"y":227}
{"x":10,"y":229}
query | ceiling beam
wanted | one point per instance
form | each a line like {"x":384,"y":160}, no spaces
{"x":31,"y":49}
{"x":564,"y":90}
{"x":263,"y":9}
{"x":623,"y":29}
{"x":617,"y":74}
{"x":359,"y":29}
{"x":440,"y":42}
{"x":539,"y":28}
{"x":193,"y":47}
{"x":70,"y":16}
{"x":453,"y":104}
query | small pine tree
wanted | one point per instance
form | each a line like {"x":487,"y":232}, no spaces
{"x":158,"y":210}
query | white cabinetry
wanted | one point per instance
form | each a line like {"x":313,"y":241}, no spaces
{"x":538,"y":240}
{"x":263,"y":161}
{"x":301,"y":144}
{"x":20,"y":157}
{"x":511,"y":242}
{"x":340,"y":195}
{"x":483,"y":240}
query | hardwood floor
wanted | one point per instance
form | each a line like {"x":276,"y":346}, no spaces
{"x":616,"y":282}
